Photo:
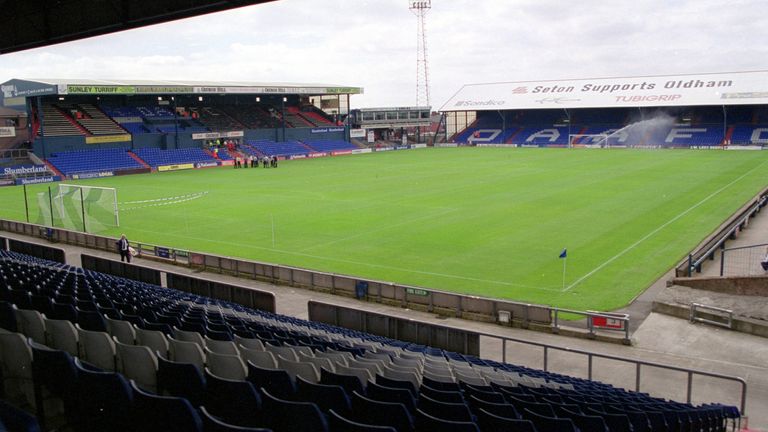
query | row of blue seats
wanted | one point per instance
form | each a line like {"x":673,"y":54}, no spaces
{"x":155,"y":157}
{"x":93,"y":160}
{"x":89,"y":283}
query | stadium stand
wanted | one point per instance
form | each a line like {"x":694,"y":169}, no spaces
{"x":252,"y":116}
{"x":73,"y":162}
{"x":216,"y":119}
{"x":155,"y":157}
{"x":330,"y":145}
{"x":57,"y":123}
{"x":96,"y":121}
{"x":272,"y":148}
{"x":451,"y":391}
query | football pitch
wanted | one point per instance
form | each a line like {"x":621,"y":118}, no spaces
{"x":482,"y":221}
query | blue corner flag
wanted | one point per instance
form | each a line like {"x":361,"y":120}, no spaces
{"x":564,"y":253}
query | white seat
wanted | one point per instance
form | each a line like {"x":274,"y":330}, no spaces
{"x":474,"y":380}
{"x":285,"y":351}
{"x":251,"y":343}
{"x":188,"y":336}
{"x":97,"y":348}
{"x":262,"y":359}
{"x":154,"y":339}
{"x":370,"y":365}
{"x":61,"y":335}
{"x":30,"y":323}
{"x":408,"y":362}
{"x":403,"y":375}
{"x":378,"y":356}
{"x":336,"y":356}
{"x":319,"y":362}
{"x":302,"y":349}
{"x":439,"y":378}
{"x":364,"y":375}
{"x":306,"y":370}
{"x":139,"y":363}
{"x":186,"y":352}
{"x":225,"y":365}
{"x":221,"y":347}
{"x":124,"y":331}
{"x":16,"y":367}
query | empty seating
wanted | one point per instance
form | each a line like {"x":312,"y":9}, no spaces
{"x":79,"y":161}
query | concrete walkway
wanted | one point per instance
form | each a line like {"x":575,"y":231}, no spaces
{"x":658,"y":339}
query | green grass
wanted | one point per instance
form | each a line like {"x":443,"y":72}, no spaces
{"x":488,"y":222}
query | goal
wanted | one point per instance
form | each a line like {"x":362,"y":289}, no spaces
{"x":588,"y":140}
{"x":80,"y":208}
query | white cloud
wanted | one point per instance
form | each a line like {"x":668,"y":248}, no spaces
{"x":372,"y":43}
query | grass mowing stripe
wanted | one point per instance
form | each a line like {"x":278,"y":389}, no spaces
{"x":480,"y":221}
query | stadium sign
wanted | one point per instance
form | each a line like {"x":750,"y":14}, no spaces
{"x":357,"y":133}
{"x":35,"y":180}
{"x":7,"y":131}
{"x":215,"y":135}
{"x":25,"y":169}
{"x":327,"y":130}
{"x":88,"y":175}
{"x":737,"y":88}
{"x":175,"y":167}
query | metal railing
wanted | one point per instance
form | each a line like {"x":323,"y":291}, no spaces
{"x":717,"y":241}
{"x":739,"y":265}
{"x":728,"y":315}
{"x":637,"y":363}
{"x":605,"y":321}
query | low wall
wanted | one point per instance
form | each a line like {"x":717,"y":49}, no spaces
{"x":36,"y":250}
{"x":245,"y":296}
{"x":121,"y":269}
{"x":407,"y":330}
{"x":744,"y":285}
{"x":3,"y":243}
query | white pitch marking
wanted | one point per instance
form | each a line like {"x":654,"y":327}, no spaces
{"x":647,"y":236}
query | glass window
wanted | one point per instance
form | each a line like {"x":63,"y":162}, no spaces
{"x":391,"y":116}
{"x":380,"y":116}
{"x":402,"y":115}
{"x":368,"y":116}
{"x":425,"y":114}
{"x":413,"y":115}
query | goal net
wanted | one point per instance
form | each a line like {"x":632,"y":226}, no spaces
{"x":80,"y":208}
{"x":588,"y":140}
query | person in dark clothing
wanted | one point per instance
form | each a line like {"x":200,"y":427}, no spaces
{"x":124,"y":249}
{"x":273,"y":162}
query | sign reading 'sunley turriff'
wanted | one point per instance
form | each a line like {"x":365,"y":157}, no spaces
{"x":738,"y":88}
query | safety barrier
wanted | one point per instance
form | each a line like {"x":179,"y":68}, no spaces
{"x":713,"y":312}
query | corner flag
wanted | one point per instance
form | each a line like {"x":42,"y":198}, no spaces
{"x":564,"y":253}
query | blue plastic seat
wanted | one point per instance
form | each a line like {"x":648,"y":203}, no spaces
{"x":8,"y":317}
{"x":14,"y":419}
{"x":394,"y":383}
{"x":276,"y":381}
{"x":349,"y":382}
{"x":444,"y":410}
{"x":501,"y":410}
{"x":339,"y":423}
{"x":326,"y":397}
{"x":391,"y":394}
{"x":369,"y":411}
{"x":426,"y":422}
{"x":289,"y":416}
{"x":152,"y":412}
{"x":549,"y":424}
{"x":212,"y":423}
{"x":493,"y":422}
{"x":104,"y":399}
{"x":180,"y":380}
{"x":449,"y":396}
{"x":91,"y":320}
{"x":55,"y":377}
{"x":235,"y":402}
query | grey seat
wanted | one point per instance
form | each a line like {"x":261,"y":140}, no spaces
{"x":30,"y":323}
{"x":306,"y":370}
{"x":16,"y":367}
{"x":251,"y":343}
{"x":225,"y":365}
{"x":221,"y":347}
{"x":139,"y":363}
{"x":262,"y":359}
{"x":124,"y":331}
{"x":97,"y":348}
{"x":186,"y":352}
{"x":154,"y":339}
{"x":61,"y":335}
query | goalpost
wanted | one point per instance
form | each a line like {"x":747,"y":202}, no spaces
{"x":588,"y":140}
{"x":81,"y":208}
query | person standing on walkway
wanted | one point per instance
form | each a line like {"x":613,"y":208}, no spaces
{"x":124,"y":248}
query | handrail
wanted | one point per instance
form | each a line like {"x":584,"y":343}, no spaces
{"x":705,"y":250}
{"x":591,"y":355}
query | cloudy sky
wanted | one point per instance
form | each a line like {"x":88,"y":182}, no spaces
{"x":372,"y":43}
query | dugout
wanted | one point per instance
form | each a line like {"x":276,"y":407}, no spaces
{"x":82,"y":114}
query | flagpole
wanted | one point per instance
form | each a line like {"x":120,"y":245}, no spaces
{"x":564,"y":261}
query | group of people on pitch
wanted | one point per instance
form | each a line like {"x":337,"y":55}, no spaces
{"x":253,"y":161}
